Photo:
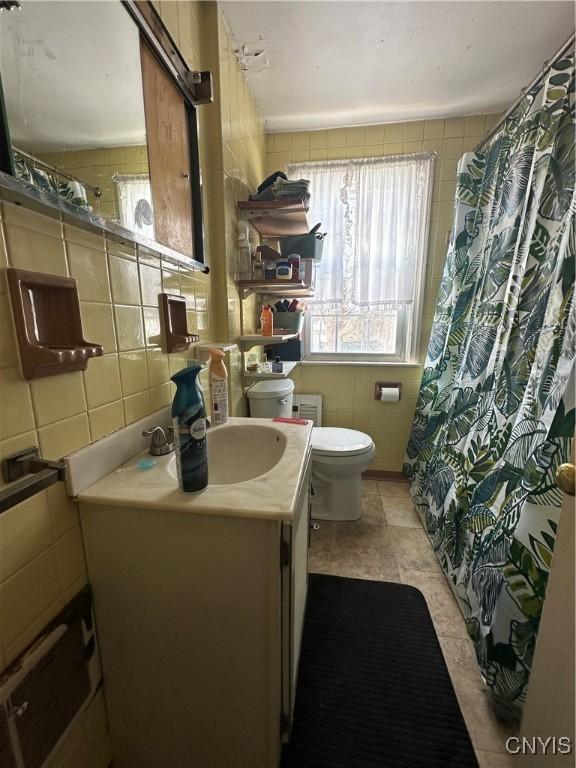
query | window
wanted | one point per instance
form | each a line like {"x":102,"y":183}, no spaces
{"x":135,"y":203}
{"x":369,"y":284}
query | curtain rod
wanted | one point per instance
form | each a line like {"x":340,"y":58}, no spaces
{"x":97,"y":192}
{"x":130,"y":176}
{"x":546,"y":68}
{"x":367,"y":160}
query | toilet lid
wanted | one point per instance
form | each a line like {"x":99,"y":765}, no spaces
{"x":335,"y":441}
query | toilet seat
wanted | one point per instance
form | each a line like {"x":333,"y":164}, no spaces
{"x":337,"y":442}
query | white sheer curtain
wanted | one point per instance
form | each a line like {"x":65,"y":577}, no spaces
{"x":327,"y":182}
{"x":135,"y":203}
{"x":375,"y":213}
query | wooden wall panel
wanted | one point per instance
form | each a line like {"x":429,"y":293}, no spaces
{"x":168,"y":155}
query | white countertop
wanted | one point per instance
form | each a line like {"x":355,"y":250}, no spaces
{"x":272,"y":495}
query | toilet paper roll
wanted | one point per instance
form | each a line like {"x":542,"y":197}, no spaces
{"x":389,"y":394}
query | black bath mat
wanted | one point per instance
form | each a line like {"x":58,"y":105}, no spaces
{"x":373,"y":687}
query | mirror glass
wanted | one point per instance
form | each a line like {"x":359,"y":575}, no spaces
{"x":72,"y":81}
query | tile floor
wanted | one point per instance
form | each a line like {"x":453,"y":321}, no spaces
{"x":389,"y":544}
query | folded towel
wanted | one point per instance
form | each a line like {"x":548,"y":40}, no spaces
{"x":290,"y":187}
{"x":282,"y":189}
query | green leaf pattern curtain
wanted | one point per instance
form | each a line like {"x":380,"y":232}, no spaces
{"x":495,"y":413}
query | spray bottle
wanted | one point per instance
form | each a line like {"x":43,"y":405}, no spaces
{"x":189,"y":419}
{"x":218,"y":376}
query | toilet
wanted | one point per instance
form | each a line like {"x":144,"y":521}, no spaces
{"x":339,"y":456}
{"x":271,"y":399}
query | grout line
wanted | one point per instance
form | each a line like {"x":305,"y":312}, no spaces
{"x":59,"y":601}
{"x":31,"y":560}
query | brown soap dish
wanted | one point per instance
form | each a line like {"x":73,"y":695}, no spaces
{"x":46,"y":314}
{"x":175,"y":323}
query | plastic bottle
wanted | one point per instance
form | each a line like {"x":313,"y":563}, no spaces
{"x":283,"y":270}
{"x":267,"y":321}
{"x":218,"y":376}
{"x":189,"y":419}
{"x":258,"y":267}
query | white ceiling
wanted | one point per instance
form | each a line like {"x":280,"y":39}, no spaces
{"x":329,"y":64}
{"x":71,"y":75}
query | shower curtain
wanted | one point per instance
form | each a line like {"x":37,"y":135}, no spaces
{"x":495,"y":412}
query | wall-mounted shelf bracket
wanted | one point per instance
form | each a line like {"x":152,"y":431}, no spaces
{"x":275,"y":219}
{"x":291,"y":288}
{"x":200,"y":83}
{"x":257,"y":339}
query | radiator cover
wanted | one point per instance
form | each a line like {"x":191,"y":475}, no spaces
{"x":308,"y":407}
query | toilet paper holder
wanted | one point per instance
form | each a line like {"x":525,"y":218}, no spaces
{"x":380,"y":385}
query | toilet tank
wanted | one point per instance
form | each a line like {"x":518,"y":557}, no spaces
{"x":271,"y":399}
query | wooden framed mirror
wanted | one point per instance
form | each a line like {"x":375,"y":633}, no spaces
{"x":99,"y":122}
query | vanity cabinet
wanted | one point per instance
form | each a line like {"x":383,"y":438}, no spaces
{"x":200,"y":620}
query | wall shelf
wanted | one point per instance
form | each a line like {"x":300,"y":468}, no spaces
{"x":20,"y":192}
{"x":289,"y":366}
{"x":293,"y":288}
{"x":202,"y":348}
{"x":225,"y":346}
{"x":275,"y":219}
{"x":256,"y":339}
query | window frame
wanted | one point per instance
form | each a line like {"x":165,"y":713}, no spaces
{"x":408,"y":334}
{"x":398,"y":356}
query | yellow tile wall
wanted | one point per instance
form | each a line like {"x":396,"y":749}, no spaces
{"x":243,"y":146}
{"x":118,"y":291}
{"x":97,"y":168}
{"x":232,"y":148}
{"x":42,"y":566}
{"x":348,"y":396}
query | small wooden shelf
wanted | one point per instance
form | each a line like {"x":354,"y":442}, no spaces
{"x":276,"y":219}
{"x":255,"y":339}
{"x":289,"y":366}
{"x":275,"y":288}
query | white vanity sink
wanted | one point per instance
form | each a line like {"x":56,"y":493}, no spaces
{"x":240,"y":452}
{"x":255,"y":468}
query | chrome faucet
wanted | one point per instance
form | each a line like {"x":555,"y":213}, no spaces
{"x":161,"y":444}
